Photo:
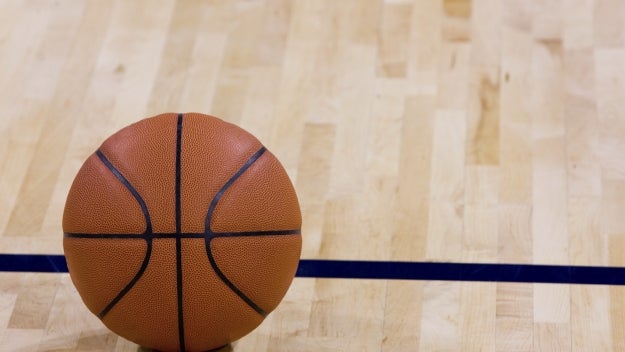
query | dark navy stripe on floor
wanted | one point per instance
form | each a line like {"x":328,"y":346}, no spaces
{"x":557,"y":274}
{"x":348,"y":269}
{"x":33,"y":263}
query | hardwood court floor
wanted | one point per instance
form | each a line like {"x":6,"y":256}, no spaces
{"x":476,"y":131}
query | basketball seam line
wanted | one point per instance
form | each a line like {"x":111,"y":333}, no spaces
{"x":257,"y":233}
{"x":224,"y":188}
{"x":178,"y":232}
{"x":129,"y":187}
{"x":210,"y":234}
{"x":148,"y":231}
{"x":164,"y":235}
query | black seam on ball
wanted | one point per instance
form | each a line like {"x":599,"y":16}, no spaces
{"x":179,"y":232}
{"x":129,"y":187}
{"x":210,"y":234}
{"x":220,"y":193}
{"x":257,"y":233}
{"x":146,"y":235}
{"x":174,"y":235}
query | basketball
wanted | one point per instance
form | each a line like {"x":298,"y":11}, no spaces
{"x":182,"y":232}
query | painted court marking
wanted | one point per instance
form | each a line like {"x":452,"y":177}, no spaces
{"x":390,"y":270}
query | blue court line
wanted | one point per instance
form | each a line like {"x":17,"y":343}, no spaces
{"x":40,"y":263}
{"x":357,"y":269}
{"x":557,"y":274}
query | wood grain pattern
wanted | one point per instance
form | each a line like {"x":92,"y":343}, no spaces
{"x":444,"y":130}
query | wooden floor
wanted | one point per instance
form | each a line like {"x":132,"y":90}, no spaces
{"x":476,"y":131}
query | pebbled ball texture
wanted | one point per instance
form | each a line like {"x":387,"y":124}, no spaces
{"x":182,"y":232}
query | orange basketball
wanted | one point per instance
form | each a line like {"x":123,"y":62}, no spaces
{"x":182,"y":232}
